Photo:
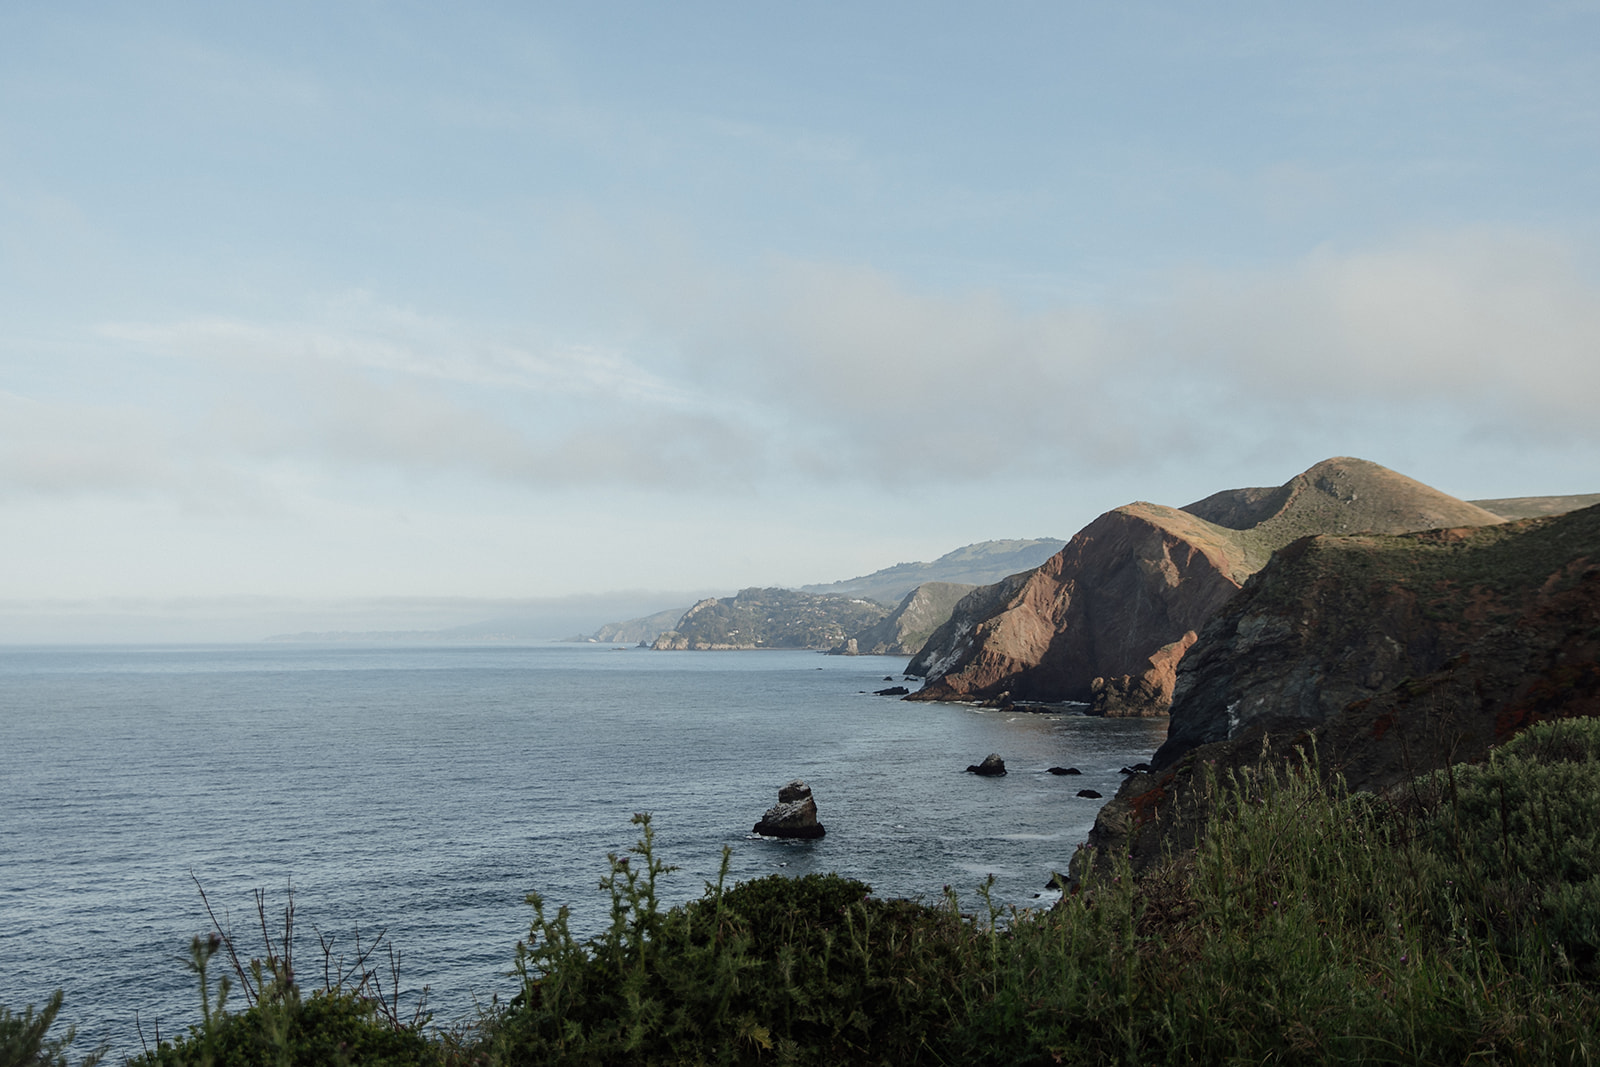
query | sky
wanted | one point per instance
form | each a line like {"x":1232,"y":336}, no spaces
{"x":375,"y":315}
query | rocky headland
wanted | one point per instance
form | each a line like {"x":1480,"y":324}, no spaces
{"x":633,"y":631}
{"x":1108,"y":619}
{"x":907,"y":628}
{"x":770,"y":618}
{"x":924,"y":593}
{"x":1388,"y":656}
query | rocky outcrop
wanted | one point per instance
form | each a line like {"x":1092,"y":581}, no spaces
{"x":954,"y":636}
{"x":907,"y":628}
{"x":1390,"y":656}
{"x":1135,"y":579}
{"x":1117,"y":602}
{"x":991,"y":767}
{"x":769,"y":618}
{"x":1148,"y":693}
{"x":793,"y":816}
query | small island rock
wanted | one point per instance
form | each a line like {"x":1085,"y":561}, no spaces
{"x":1065,"y":770}
{"x":1090,"y":793}
{"x":991,"y":767}
{"x":794,"y":815}
{"x":892,"y":691}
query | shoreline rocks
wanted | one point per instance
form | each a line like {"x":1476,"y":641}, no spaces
{"x":793,"y":816}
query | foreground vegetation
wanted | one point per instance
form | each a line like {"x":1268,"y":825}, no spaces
{"x":1458,"y":921}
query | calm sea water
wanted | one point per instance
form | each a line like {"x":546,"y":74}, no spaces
{"x":425,"y":792}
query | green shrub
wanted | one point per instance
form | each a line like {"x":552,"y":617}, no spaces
{"x":783,"y":970}
{"x":1520,"y":836}
{"x":342,"y":1024}
{"x":287,"y":1030}
{"x":23,"y":1042}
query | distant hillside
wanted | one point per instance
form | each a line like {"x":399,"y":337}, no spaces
{"x":633,"y":631}
{"x":904,"y":631}
{"x":770,"y":618}
{"x":978,"y":564}
{"x":1535,"y":507}
{"x":1107,"y":619}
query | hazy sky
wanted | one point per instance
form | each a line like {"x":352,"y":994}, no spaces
{"x":344,"y":304}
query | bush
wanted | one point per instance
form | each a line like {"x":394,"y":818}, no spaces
{"x":23,"y":1042}
{"x":1520,"y":836}
{"x":287,"y":1030}
{"x":349,"y":1022}
{"x":804,"y":970}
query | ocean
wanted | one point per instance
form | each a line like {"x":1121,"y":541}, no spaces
{"x":424,"y":792}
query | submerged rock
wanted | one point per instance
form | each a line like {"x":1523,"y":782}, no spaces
{"x":991,"y":767}
{"x":1065,"y":770}
{"x":794,"y":815}
{"x":1090,"y":793}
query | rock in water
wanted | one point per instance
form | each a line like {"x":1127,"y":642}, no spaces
{"x":794,"y":815}
{"x":892,"y":691}
{"x":991,"y":767}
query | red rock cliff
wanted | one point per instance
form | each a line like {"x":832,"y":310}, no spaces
{"x":1106,"y":620}
{"x":1136,"y":579}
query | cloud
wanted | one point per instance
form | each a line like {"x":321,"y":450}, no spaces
{"x":883,"y":379}
{"x":1481,"y":328}
{"x":359,"y":333}
{"x":375,"y":387}
{"x":841,"y":372}
{"x":1496,"y":325}
{"x":54,"y":447}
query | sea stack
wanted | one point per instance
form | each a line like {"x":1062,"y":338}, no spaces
{"x":991,"y":767}
{"x":794,"y":815}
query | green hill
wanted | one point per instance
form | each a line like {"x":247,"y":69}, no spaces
{"x":770,"y":618}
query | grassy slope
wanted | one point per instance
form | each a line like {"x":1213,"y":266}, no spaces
{"x":1532,"y":507}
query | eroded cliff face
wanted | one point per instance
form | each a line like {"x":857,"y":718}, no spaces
{"x":1105,"y":620}
{"x":1136,"y":579}
{"x":1391,"y":656}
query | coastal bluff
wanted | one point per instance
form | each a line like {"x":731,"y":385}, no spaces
{"x":1108,"y":619}
{"x":1389,"y":655}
